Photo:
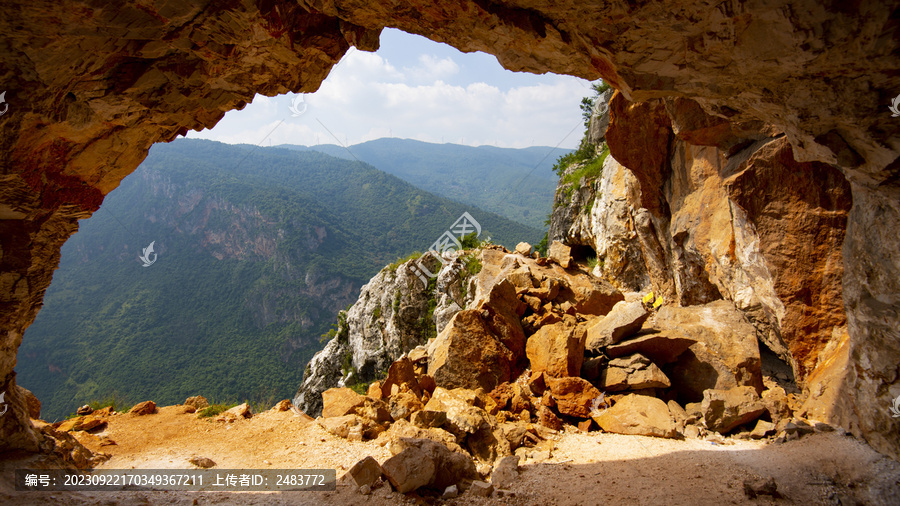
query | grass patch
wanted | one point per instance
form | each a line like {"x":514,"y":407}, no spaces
{"x":215,"y":409}
{"x":415,"y":255}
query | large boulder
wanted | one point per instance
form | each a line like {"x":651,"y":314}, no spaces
{"x":661,"y":348}
{"x":448,"y":467}
{"x":639,"y":415}
{"x":573,"y":396}
{"x":635,"y":372}
{"x":560,"y":253}
{"x":725,"y":353}
{"x":340,"y":402}
{"x":724,"y":410}
{"x":409,"y":470}
{"x":462,"y":416}
{"x":556,"y":349}
{"x":467,"y":354}
{"x":624,"y":320}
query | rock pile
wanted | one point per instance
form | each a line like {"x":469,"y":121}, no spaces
{"x":542,"y":346}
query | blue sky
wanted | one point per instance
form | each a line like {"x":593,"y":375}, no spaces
{"x":414,"y":88}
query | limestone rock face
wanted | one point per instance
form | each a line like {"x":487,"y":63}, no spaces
{"x":382,"y":325}
{"x":741,"y":100}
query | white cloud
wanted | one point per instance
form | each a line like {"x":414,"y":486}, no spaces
{"x":435,"y":100}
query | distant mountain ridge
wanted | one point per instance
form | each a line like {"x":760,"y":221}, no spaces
{"x":256,"y":250}
{"x":516,"y":183}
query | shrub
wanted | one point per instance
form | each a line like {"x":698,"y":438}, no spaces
{"x":215,"y":409}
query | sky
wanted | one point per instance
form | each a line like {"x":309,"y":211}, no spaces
{"x":414,"y":88}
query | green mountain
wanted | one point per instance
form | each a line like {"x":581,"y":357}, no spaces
{"x":254,"y":252}
{"x":515,"y":183}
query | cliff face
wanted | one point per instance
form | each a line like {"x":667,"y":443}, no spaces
{"x":91,"y":87}
{"x":395,"y":313}
{"x":698,"y":210}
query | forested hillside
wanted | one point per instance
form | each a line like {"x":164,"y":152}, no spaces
{"x":515,"y":183}
{"x":256,"y":249}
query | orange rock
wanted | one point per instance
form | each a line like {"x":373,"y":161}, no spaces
{"x":143,"y":408}
{"x":573,"y":396}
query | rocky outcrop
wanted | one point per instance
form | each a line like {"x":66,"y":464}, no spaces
{"x":395,"y":313}
{"x":89,"y":90}
{"x":698,"y":208}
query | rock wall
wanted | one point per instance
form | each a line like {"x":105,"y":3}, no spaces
{"x":91,"y":86}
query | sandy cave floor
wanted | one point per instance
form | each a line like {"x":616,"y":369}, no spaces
{"x":585,"y":468}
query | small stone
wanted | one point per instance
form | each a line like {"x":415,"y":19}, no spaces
{"x":450,"y":492}
{"x":481,"y":489}
{"x":84,"y":410}
{"x":202,"y":462}
{"x":754,"y":488}
{"x":365,"y":490}
{"x":283,"y":405}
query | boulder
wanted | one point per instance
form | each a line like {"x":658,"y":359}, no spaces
{"x":428,"y":419}
{"x":777,"y":404}
{"x":468,"y":354}
{"x":450,"y":467}
{"x":340,"y":402}
{"x":374,"y":390}
{"x":724,"y":410}
{"x":573,"y":396}
{"x":481,"y":489}
{"x":404,"y":404}
{"x":84,"y":410}
{"x":522,"y":278}
{"x":404,"y":429}
{"x":661,"y":348}
{"x":143,"y":408}
{"x":409,"y":470}
{"x":374,"y":409}
{"x":560,"y":253}
{"x":503,"y":312}
{"x":235,"y":413}
{"x":556,"y":349}
{"x":623,"y":320}
{"x":725,"y":353}
{"x":31,"y":402}
{"x":637,"y":415}
{"x":364,"y":473}
{"x":523,"y":248}
{"x":762,"y":429}
{"x":347,"y":425}
{"x":401,"y":372}
{"x":548,"y":418}
{"x":283,"y":405}
{"x":506,"y":472}
{"x":197,"y":401}
{"x":462,"y":416}
{"x":632,"y":373}
{"x":592,"y":367}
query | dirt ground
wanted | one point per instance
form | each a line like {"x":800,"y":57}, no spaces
{"x":584,"y":469}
